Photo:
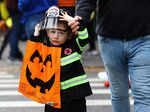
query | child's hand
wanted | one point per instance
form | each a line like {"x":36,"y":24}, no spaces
{"x":72,"y":22}
{"x":66,"y":17}
{"x":37,"y":29}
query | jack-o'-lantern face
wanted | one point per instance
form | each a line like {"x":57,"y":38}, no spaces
{"x":36,"y":61}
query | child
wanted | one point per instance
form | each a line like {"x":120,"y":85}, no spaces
{"x":74,"y":83}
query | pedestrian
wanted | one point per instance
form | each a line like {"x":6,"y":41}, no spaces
{"x":74,"y":83}
{"x":33,"y":11}
{"x":16,"y":30}
{"x":11,"y":15}
{"x":5,"y":25}
{"x":123,"y":28}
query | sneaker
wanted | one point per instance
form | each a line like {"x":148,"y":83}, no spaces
{"x":18,"y":57}
{"x":93,"y":52}
{"x":11,"y":58}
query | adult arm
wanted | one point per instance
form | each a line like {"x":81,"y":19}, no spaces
{"x":84,"y":9}
{"x":83,"y":12}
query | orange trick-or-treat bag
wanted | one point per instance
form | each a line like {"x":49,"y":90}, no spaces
{"x":40,"y":75}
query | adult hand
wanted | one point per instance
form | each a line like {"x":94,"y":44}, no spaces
{"x":74,"y":25}
{"x":72,"y":22}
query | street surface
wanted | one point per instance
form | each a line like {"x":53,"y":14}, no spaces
{"x":12,"y":101}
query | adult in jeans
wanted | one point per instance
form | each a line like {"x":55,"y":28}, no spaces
{"x":33,"y":11}
{"x":15,"y":33}
{"x":123,"y":28}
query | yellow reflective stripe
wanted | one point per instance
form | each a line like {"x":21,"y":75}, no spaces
{"x":80,"y":47}
{"x":71,"y":58}
{"x":74,"y":82}
{"x":83,"y":34}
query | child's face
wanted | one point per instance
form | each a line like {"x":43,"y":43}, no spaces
{"x":58,"y":36}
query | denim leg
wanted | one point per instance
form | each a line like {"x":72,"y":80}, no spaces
{"x":139,"y":70}
{"x":15,"y":34}
{"x":31,"y":22}
{"x":113,"y":56}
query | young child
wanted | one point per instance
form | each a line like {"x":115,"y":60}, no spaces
{"x":74,"y":83}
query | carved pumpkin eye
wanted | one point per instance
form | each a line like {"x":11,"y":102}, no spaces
{"x":34,"y":55}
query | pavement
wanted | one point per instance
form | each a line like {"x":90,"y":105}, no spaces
{"x":12,"y":101}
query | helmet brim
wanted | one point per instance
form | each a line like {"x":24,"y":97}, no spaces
{"x":49,"y":23}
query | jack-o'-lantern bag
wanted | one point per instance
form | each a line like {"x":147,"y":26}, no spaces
{"x":40,"y":76}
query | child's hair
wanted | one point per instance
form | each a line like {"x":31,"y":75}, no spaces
{"x":68,"y":29}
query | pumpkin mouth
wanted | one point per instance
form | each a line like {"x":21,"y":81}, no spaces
{"x":38,"y":82}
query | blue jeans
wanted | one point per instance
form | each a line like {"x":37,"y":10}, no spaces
{"x":123,"y":59}
{"x":15,"y":34}
{"x":31,"y":22}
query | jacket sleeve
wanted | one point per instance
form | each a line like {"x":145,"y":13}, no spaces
{"x":22,"y":4}
{"x":52,"y":2}
{"x":82,"y":39}
{"x":84,"y":9}
{"x":26,"y":4}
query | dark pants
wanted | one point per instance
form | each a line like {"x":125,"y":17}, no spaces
{"x":78,"y":105}
{"x":15,"y":35}
{"x":4,"y":43}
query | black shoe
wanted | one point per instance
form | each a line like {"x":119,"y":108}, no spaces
{"x":18,"y":57}
{"x":11,"y":58}
{"x":92,"y":51}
